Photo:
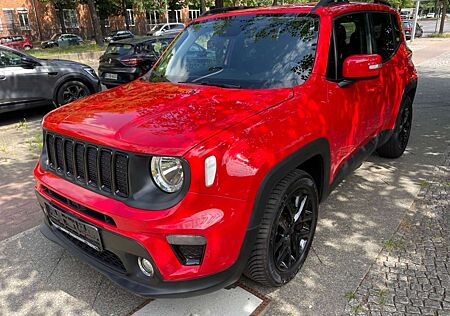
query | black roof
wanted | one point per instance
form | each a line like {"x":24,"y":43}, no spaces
{"x":139,"y":40}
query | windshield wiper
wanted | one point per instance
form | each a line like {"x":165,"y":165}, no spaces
{"x":214,"y":84}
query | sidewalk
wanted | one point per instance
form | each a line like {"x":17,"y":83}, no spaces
{"x":412,"y":273}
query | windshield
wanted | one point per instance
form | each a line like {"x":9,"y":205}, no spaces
{"x":119,"y":49}
{"x":257,"y":51}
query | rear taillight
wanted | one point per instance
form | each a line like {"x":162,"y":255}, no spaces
{"x":407,"y":29}
{"x":131,"y":61}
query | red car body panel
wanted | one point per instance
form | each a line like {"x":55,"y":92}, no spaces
{"x":17,"y":44}
{"x":249,"y":131}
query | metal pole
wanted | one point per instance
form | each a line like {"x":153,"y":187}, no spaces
{"x":416,"y":15}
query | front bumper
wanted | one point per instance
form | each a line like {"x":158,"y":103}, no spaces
{"x":138,"y":233}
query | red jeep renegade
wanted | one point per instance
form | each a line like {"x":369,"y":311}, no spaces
{"x":214,"y":163}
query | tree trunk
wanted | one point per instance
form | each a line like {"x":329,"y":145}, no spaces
{"x":95,"y":23}
{"x":275,"y":2}
{"x":60,"y":14}
{"x":443,"y":16}
{"x":202,"y":6}
{"x":218,"y":4}
{"x":124,"y":12}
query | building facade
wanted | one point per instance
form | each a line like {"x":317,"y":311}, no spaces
{"x":40,"y":20}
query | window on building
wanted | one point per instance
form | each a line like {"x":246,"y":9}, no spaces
{"x":70,"y":18}
{"x":23,"y":19}
{"x":130,"y":17}
{"x":9,"y":20}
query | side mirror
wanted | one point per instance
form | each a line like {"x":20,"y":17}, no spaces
{"x":362,"y":66}
{"x":28,"y":62}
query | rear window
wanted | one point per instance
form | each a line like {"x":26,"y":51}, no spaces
{"x":119,"y":49}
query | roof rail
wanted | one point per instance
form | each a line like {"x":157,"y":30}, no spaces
{"x":325,"y":3}
{"x":225,"y":9}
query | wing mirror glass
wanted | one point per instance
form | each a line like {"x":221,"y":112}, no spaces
{"x":362,"y":66}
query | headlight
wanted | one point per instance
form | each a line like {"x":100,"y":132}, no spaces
{"x":167,"y":173}
{"x":90,"y":71}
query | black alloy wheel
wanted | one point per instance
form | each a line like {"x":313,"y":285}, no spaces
{"x":71,"y":91}
{"x":397,"y":143}
{"x":286,"y":231}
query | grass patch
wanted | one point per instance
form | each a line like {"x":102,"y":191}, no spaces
{"x":358,"y":309}
{"x":443,"y":35}
{"x":424,"y":184}
{"x":350,"y":296}
{"x":48,"y":52}
{"x":381,"y":294}
{"x":394,"y":244}
{"x":23,"y":124}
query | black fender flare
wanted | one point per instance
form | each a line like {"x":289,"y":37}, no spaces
{"x":317,"y":147}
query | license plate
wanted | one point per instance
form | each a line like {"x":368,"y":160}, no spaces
{"x":111,"y":76}
{"x":75,"y":227}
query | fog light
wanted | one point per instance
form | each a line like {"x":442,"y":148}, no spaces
{"x":145,"y":266}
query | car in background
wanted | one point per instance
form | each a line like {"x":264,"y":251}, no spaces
{"x":127,"y":60}
{"x":17,"y":42}
{"x":431,"y":15}
{"x":119,"y":35}
{"x":61,"y":40}
{"x":408,"y":29}
{"x":26,"y":81}
{"x":166,"y":29}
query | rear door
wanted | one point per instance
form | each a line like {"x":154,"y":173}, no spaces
{"x":386,"y":39}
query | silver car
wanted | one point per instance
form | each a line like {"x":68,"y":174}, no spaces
{"x":26,"y":81}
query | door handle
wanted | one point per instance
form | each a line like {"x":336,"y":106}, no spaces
{"x":2,"y":77}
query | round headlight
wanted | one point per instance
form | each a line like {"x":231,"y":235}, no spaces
{"x":167,"y":173}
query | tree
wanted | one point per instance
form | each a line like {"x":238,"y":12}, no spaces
{"x":60,"y":5}
{"x":95,"y":23}
{"x":443,"y":16}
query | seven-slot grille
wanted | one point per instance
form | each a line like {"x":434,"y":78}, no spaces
{"x":96,"y":167}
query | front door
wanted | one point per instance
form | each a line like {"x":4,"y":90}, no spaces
{"x":18,"y":82}
{"x":353,"y":104}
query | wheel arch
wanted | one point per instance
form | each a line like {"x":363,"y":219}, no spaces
{"x":313,"y":158}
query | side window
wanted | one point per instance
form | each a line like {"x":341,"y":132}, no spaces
{"x":10,"y":59}
{"x":349,"y":38}
{"x":397,"y":31}
{"x":382,"y":35}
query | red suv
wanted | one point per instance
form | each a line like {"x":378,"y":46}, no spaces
{"x":214,"y":163}
{"x":17,"y":42}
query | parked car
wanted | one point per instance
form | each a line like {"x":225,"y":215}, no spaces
{"x":166,"y":29}
{"x":408,"y":29}
{"x":17,"y":42}
{"x":26,"y":81}
{"x":119,"y":35}
{"x":59,"y":39}
{"x":127,"y":60}
{"x":215,"y":161}
{"x":431,"y":15}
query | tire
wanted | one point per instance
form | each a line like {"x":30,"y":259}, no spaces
{"x":286,"y":231}
{"x":27,"y":47}
{"x":398,"y":141}
{"x":70,"y":91}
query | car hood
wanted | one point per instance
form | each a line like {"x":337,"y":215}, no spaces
{"x":159,"y":118}
{"x":61,"y":63}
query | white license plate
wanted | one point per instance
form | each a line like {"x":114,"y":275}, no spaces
{"x":111,"y":76}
